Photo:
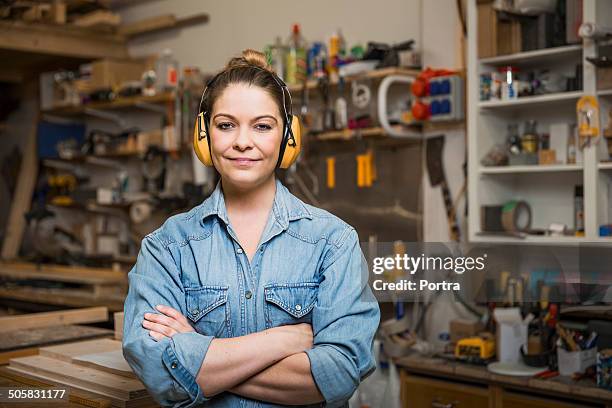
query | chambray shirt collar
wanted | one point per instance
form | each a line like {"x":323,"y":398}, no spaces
{"x":286,"y":206}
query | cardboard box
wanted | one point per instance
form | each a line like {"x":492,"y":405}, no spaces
{"x":508,"y":37}
{"x":571,"y":362}
{"x":559,"y":136}
{"x":461,"y":329}
{"x":110,"y":73}
{"x":604,"y":78}
{"x":487,"y":30}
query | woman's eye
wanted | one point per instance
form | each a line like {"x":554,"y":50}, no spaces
{"x":263,"y":126}
{"x":224,"y":125}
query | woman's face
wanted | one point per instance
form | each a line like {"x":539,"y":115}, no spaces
{"x":246,"y":131}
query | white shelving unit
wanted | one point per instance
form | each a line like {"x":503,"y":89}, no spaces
{"x":549,"y":189}
{"x":556,"y":168}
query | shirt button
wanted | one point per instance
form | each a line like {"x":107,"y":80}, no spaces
{"x":195,"y":312}
{"x":248,"y":294}
{"x":298,"y":307}
{"x":174,"y":364}
{"x":239,"y":250}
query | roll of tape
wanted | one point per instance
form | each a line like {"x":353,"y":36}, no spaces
{"x":516,"y":216}
{"x":140,"y":211}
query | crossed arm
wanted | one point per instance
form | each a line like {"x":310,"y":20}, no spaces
{"x":279,"y":372}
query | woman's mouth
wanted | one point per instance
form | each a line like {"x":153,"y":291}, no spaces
{"x":243,"y":161}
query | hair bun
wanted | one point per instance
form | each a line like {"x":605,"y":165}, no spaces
{"x":249,"y":57}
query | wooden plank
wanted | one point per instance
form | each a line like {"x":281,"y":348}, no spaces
{"x":24,"y":376}
{"x":98,"y":19}
{"x":67,"y":352}
{"x":7,"y":355}
{"x":118,"y":325}
{"x":22,"y":198}
{"x":148,"y":25}
{"x":20,"y":339}
{"x":72,"y":374}
{"x":59,"y":40}
{"x":159,"y":23}
{"x":9,"y":378}
{"x":47,"y":319}
{"x":111,"y":361}
{"x":72,"y":274}
{"x":61,"y":297}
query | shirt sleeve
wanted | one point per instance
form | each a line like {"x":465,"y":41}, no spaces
{"x":345,"y":319}
{"x":167,"y":368}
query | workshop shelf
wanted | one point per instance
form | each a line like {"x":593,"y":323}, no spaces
{"x":541,"y":168}
{"x":374,"y":74}
{"x":119,"y":103}
{"x":536,"y":56}
{"x":549,"y":190}
{"x":560,"y":97}
{"x":349,"y":134}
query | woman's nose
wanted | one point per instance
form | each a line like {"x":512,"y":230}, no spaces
{"x":243,"y":139}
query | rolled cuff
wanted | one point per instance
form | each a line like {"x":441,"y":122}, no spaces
{"x":333,"y":375}
{"x":183,"y":358}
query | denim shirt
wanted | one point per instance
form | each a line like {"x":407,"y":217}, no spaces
{"x":308,"y":268}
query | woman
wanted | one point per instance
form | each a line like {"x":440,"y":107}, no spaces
{"x":252,"y":298}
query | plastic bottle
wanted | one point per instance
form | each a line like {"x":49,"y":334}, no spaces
{"x":277,"y":54}
{"x":296,"y":57}
{"x":166,"y":70}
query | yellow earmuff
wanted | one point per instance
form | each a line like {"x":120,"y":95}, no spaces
{"x":290,"y":154}
{"x":200,"y":141}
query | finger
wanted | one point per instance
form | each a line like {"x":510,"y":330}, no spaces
{"x":156,"y":336}
{"x":164,"y":320}
{"x":169,"y":311}
{"x":159,"y":328}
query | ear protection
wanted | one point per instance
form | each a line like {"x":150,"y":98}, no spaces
{"x":291,"y":143}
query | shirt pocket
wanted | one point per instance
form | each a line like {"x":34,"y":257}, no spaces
{"x":208,"y":310}
{"x":289,"y":303}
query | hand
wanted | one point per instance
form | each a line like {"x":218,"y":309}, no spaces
{"x":166,"y":324}
{"x":297,"y":337}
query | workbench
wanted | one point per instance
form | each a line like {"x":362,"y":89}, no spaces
{"x":436,"y":382}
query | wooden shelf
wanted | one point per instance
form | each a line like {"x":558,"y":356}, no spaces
{"x":25,"y":48}
{"x":349,"y":134}
{"x":548,"y":168}
{"x":561,"y":97}
{"x":119,"y":103}
{"x":539,"y":56}
{"x":376,"y":74}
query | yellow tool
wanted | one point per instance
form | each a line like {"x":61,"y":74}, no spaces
{"x":366,"y":169}
{"x":475,"y":347}
{"x":587,"y":109}
{"x":331,"y":172}
{"x":360,"y":170}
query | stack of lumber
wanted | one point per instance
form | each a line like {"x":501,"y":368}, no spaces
{"x":70,"y":285}
{"x":94,"y":371}
{"x":94,"y":368}
{"x":23,"y":335}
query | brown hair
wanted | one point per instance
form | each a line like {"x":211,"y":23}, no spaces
{"x":251,"y":68}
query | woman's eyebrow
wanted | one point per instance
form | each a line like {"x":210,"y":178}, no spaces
{"x":224,"y":114}
{"x":252,"y":120}
{"x":264,"y":117}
